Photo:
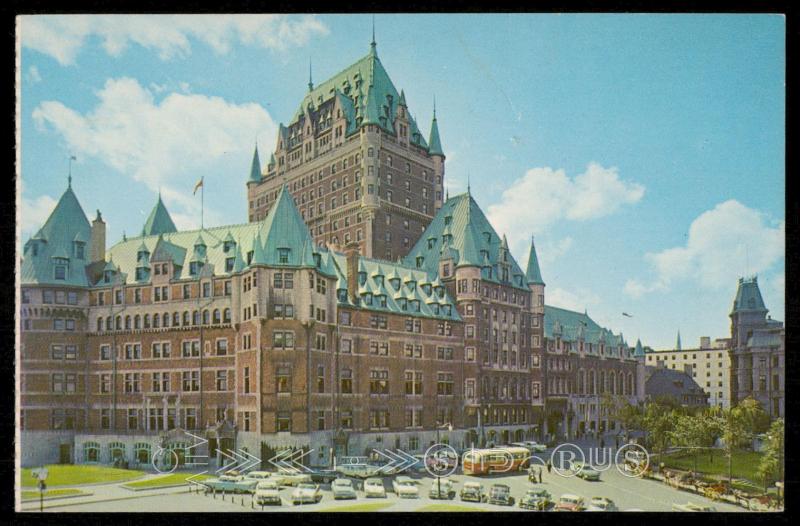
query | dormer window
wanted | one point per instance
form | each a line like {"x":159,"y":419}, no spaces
{"x":382,"y":300}
{"x":108,"y":276}
{"x":420,"y":260}
{"x":200,"y":248}
{"x":436,"y":309}
{"x":415,"y":305}
{"x":195,"y":267}
{"x":403,"y":303}
{"x":228,"y":245}
{"x":362,"y":278}
{"x":488,"y":236}
{"x":35,"y":248}
{"x":342,"y":295}
{"x":427,"y":289}
{"x":80,"y":249}
{"x":141,"y":274}
{"x":447,"y":238}
{"x":447,"y":219}
{"x":395,"y":282}
{"x":412,"y":285}
{"x":61,"y":268}
{"x":368,"y":298}
{"x":431,"y":242}
{"x":283,"y":255}
{"x":229,"y":264}
{"x":142,"y":256}
{"x":378,"y":280}
{"x":249,"y":257}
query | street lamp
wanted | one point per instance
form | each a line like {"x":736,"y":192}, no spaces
{"x":439,"y":426}
{"x":41,"y":475}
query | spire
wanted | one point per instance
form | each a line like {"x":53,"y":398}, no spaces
{"x":255,"y":167}
{"x":468,"y":188}
{"x":159,"y":220}
{"x":434,"y":143}
{"x":310,"y":79}
{"x":372,"y":44}
{"x":678,"y":343}
{"x":639,"y":351}
{"x":402,"y":98}
{"x":533,"y":274}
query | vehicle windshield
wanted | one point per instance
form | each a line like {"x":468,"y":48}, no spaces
{"x":342,"y":482}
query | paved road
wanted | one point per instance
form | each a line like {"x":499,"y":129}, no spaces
{"x":627,"y":493}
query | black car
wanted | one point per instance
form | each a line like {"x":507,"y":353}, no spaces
{"x":323,"y":476}
{"x":501,"y":494}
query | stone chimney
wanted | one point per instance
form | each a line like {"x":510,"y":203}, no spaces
{"x":98,"y":249}
{"x":351,"y":252}
{"x":705,"y":342}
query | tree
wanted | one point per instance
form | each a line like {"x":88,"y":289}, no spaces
{"x":737,"y":425}
{"x":658,"y":421}
{"x":771,"y":465}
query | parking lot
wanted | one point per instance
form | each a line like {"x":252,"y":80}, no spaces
{"x":627,"y":493}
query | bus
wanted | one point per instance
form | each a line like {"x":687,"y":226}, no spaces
{"x":495,"y":460}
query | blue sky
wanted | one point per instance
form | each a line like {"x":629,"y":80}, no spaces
{"x":644,"y":152}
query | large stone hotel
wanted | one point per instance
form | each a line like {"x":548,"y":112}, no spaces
{"x":358,"y":309}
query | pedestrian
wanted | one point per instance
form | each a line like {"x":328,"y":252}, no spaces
{"x":616,"y":442}
{"x":602,"y":443}
{"x":540,"y":475}
{"x":549,"y":467}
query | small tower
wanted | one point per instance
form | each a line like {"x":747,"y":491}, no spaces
{"x":436,"y":152}
{"x":678,"y":343}
{"x":255,"y":168}
{"x":535,"y":282}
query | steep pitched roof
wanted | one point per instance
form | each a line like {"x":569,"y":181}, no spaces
{"x":672,"y":383}
{"x":159,"y":220}
{"x":371,"y":93}
{"x":533,"y":273}
{"x":639,"y":351}
{"x":573,"y":326}
{"x":748,"y":296}
{"x":471,"y":237}
{"x":255,"y":167}
{"x":434,"y":142}
{"x":56,"y":239}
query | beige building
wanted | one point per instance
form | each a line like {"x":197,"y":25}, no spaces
{"x":710,"y":366}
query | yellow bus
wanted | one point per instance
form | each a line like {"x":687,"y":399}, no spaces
{"x":495,"y":460}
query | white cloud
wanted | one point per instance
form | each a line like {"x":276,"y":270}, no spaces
{"x":33,"y":76}
{"x":62,"y":36}
{"x":163,"y":144}
{"x":549,"y":252}
{"x":595,"y":193}
{"x":33,"y":213}
{"x":723,"y":243}
{"x":578,"y":301}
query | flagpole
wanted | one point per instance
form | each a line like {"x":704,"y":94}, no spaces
{"x":202,"y":196}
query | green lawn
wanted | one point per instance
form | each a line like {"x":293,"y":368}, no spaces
{"x":745,"y":463}
{"x":447,"y":507}
{"x":70,"y":475}
{"x":166,"y":480}
{"x":370,"y":506}
{"x":63,"y":492}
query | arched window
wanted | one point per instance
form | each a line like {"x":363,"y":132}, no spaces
{"x":127,"y":323}
{"x":206,"y":317}
{"x":116,"y":451}
{"x":156,"y":320}
{"x":146,"y":321}
{"x":91,"y":452}
{"x":621,"y":384}
{"x":612,"y":381}
{"x":165,"y":319}
{"x":141,"y":450}
{"x":216,"y":318}
{"x":109,"y":323}
{"x":185,"y":318}
{"x":226,"y":316}
{"x":137,"y":322}
{"x":176,"y":319}
{"x":196,"y":318}
{"x":99,"y":324}
{"x":119,"y":323}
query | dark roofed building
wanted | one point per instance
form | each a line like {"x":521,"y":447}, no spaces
{"x":675,"y":385}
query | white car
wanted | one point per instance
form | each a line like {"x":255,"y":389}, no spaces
{"x":258,"y":476}
{"x":288,"y":478}
{"x":306,"y":493}
{"x":601,"y":504}
{"x":373,"y":487}
{"x":442,"y":489}
{"x":405,"y":487}
{"x":343,"y":489}
{"x":268,"y":492}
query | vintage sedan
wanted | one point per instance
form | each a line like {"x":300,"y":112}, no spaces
{"x":536,"y":499}
{"x":691,"y":506}
{"x":601,"y":504}
{"x":585,"y":471}
{"x":473,"y":492}
{"x":500,"y":494}
{"x":373,"y":487}
{"x":405,"y":487}
{"x":569,"y":502}
{"x":442,"y":489}
{"x":291,"y":478}
{"x":306,"y":493}
{"x":343,"y":489}
{"x":230,"y":484}
{"x":268,"y":492}
{"x":532,"y":445}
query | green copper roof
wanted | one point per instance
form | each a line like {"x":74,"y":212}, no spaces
{"x":434,"y":142}
{"x":639,"y":352}
{"x":159,"y":221}
{"x":573,"y":326}
{"x":57,"y":239}
{"x":473,"y":241}
{"x":533,"y":273}
{"x":255,"y":167}
{"x":748,"y":296}
{"x":370,"y":97}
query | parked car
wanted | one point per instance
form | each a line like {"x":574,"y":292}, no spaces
{"x":290,"y":478}
{"x":323,"y":476}
{"x":569,"y":502}
{"x":473,"y":492}
{"x":306,"y":493}
{"x":343,"y":489}
{"x":601,"y":504}
{"x":442,"y":489}
{"x":231,"y":484}
{"x":500,"y":494}
{"x":268,"y":492}
{"x":691,"y":506}
{"x":373,"y":487}
{"x":258,"y":476}
{"x":585,"y":471}
{"x":405,"y":487}
{"x":536,"y":499}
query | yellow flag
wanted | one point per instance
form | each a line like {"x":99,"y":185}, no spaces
{"x":197,"y":186}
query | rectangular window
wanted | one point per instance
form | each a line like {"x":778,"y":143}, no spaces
{"x":379,"y":382}
{"x":246,"y":382}
{"x":222,"y":380}
{"x":222,"y":347}
{"x":283,"y":421}
{"x":346,"y":381}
